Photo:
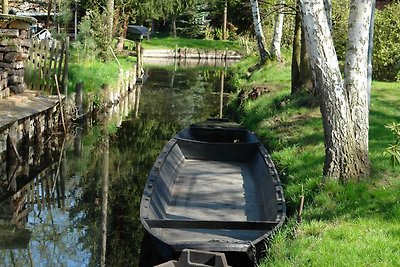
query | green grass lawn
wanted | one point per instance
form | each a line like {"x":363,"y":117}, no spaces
{"x":172,"y":43}
{"x":95,"y":73}
{"x":354,"y":224}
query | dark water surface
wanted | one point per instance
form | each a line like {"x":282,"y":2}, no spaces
{"x":81,"y":206}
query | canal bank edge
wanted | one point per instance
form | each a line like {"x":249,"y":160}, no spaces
{"x":191,"y":53}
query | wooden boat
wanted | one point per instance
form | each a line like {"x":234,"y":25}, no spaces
{"x":214,"y":188}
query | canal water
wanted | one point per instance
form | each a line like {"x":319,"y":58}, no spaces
{"x":79,"y":205}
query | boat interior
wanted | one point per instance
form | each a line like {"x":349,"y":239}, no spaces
{"x":220,"y":190}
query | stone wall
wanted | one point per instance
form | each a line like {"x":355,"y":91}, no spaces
{"x":14,"y":50}
{"x":4,"y":90}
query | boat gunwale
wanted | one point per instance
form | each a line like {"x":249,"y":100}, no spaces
{"x":222,"y":245}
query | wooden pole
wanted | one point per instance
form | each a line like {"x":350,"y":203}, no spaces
{"x":299,"y":216}
{"x":64,"y":83}
{"x":14,"y":148}
{"x":221,"y":101}
{"x":61,"y":106}
{"x":79,"y":99}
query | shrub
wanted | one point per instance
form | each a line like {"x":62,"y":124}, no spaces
{"x":394,"y":149}
{"x":386,"y":54}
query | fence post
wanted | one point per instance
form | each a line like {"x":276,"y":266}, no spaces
{"x":65,"y":71}
{"x":79,"y":99}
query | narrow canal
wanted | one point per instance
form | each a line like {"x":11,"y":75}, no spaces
{"x":79,"y":206}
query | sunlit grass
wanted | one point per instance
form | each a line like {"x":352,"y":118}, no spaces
{"x":96,"y":73}
{"x":354,"y":224}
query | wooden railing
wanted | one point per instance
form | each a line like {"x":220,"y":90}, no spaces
{"x":47,"y":61}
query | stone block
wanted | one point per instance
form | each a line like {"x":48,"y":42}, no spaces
{"x":9,"y":32}
{"x":9,"y":47}
{"x":5,"y":93}
{"x":17,"y":89}
{"x":11,"y":56}
{"x":19,"y":72}
{"x":16,"y":56}
{"x":27,"y":43}
{"x":19,"y":24}
{"x":3,"y":74}
{"x":12,"y":65}
{"x":14,"y":79}
{"x":24,"y":34}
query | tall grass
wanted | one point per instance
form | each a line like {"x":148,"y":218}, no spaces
{"x":354,"y":224}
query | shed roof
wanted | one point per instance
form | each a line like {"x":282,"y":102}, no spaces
{"x":138,"y":29}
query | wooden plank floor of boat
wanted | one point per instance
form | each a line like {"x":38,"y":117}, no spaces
{"x":214,"y":190}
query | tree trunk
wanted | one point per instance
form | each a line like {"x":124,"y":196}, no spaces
{"x":122,"y":35}
{"x":110,"y":19}
{"x":328,"y":12}
{"x":49,"y":7}
{"x":173,"y":27}
{"x":301,"y":70}
{"x":5,"y":7}
{"x":340,"y":116}
{"x":259,"y":32}
{"x":356,"y":75}
{"x":224,"y":32}
{"x":296,"y":54}
{"x":116,"y":22}
{"x":306,"y":79}
{"x":276,"y":40}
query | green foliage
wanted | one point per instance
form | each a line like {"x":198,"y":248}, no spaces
{"x":386,"y":53}
{"x":394,"y":149}
{"x":193,"y":23}
{"x":239,"y":15}
{"x":93,"y":41}
{"x":85,"y":48}
{"x":340,"y":29}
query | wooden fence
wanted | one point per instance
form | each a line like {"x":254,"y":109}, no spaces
{"x":47,"y":60}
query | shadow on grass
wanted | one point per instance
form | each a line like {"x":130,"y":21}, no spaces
{"x":291,"y":129}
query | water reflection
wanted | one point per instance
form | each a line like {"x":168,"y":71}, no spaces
{"x":74,"y":201}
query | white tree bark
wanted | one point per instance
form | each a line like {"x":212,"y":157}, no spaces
{"x":258,"y":31}
{"x":343,"y":105}
{"x":356,"y":70}
{"x":110,"y":19}
{"x":278,"y":28}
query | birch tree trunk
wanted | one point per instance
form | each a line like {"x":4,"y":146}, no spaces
{"x":110,"y":21}
{"x":328,"y":12}
{"x":344,"y":110}
{"x":5,"y":6}
{"x":224,"y":30}
{"x":356,"y":73}
{"x":258,"y":31}
{"x":276,"y":39}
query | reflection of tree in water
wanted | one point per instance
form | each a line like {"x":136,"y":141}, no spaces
{"x":132,"y":151}
{"x":191,"y":98}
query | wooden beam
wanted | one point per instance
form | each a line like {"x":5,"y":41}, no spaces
{"x":205,"y":224}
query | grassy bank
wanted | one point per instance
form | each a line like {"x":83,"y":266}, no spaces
{"x":355,"y":224}
{"x":96,"y":73}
